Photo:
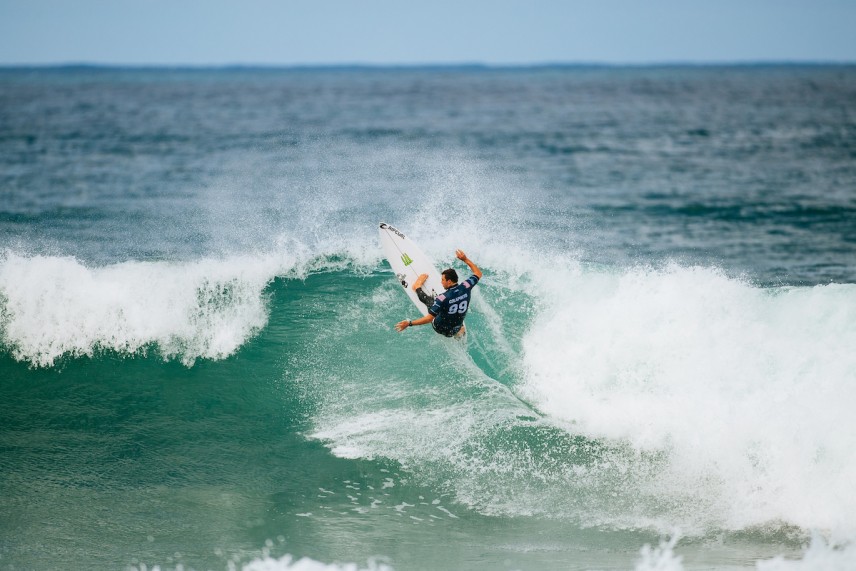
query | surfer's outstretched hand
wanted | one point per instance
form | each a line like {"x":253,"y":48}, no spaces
{"x":402,"y":325}
{"x":463,"y":257}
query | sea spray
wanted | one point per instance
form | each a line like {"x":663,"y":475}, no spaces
{"x":660,"y":558}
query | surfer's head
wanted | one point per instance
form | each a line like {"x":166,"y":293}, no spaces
{"x":450,"y":277}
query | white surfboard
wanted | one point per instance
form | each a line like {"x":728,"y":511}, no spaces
{"x":408,"y":262}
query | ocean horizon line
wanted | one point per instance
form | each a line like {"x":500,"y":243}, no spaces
{"x":464,"y":66}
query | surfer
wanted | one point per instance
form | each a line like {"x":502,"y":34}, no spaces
{"x":447,"y":310}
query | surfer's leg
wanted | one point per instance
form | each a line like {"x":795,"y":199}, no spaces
{"x":461,"y":332}
{"x":428,"y":300}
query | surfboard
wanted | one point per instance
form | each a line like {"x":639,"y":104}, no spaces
{"x":408,"y":262}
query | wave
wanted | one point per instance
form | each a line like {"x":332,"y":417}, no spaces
{"x":627,"y":398}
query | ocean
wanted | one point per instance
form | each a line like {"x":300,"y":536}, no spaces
{"x":198,"y":366}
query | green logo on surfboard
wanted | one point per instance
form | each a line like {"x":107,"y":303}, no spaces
{"x":406,"y":259}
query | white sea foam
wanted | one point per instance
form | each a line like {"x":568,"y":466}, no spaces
{"x":57,"y":306}
{"x":749,"y":392}
{"x":661,"y":558}
{"x":819,"y":556}
{"x":53,"y":306}
{"x":289,"y":563}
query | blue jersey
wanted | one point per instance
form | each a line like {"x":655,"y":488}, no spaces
{"x":450,"y":307}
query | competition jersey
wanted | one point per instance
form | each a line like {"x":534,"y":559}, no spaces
{"x":450,"y":307}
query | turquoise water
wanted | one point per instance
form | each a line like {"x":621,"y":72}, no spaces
{"x":199,"y":367}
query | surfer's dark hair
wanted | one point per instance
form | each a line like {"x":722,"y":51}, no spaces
{"x":450,"y":275}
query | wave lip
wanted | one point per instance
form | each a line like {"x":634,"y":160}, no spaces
{"x":56,"y":306}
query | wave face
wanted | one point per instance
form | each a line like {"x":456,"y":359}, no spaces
{"x":198,"y":365}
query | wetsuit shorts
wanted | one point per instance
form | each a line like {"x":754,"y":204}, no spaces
{"x":447,"y":332}
{"x":428,"y":300}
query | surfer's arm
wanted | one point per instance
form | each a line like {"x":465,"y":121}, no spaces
{"x":402,"y":325}
{"x":473,"y":267}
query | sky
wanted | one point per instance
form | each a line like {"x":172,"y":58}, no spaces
{"x":401,"y":32}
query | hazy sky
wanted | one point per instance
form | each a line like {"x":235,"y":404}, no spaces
{"x":291,"y":32}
